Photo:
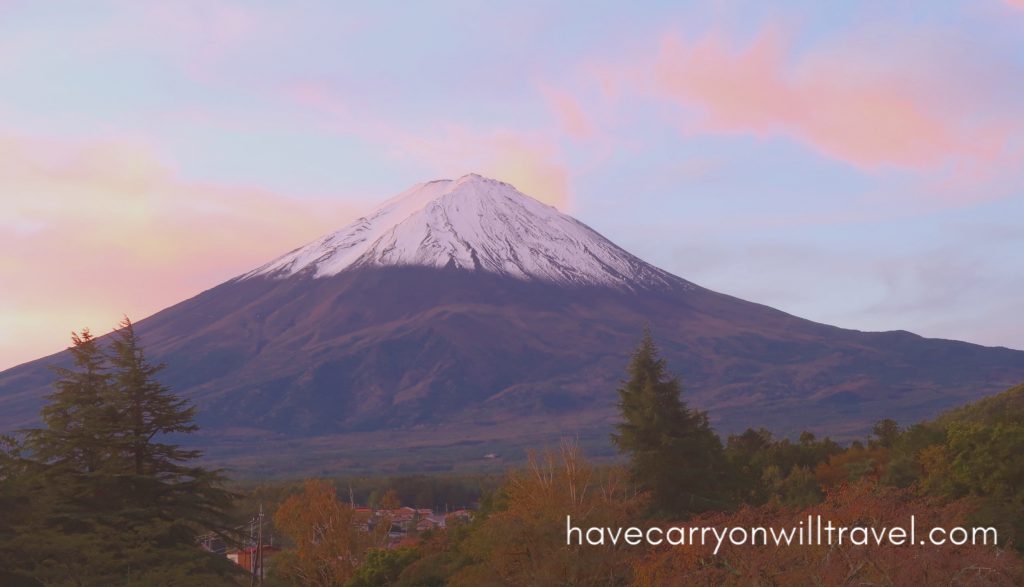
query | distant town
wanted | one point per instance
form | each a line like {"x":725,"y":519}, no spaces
{"x":406,"y":525}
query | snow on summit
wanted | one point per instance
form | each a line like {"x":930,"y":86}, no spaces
{"x":472,"y":223}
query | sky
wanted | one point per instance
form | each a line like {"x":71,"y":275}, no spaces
{"x":855,"y":163}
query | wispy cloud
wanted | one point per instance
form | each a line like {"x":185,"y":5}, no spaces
{"x":94,"y":229}
{"x":569,"y":112}
{"x":900,"y":107}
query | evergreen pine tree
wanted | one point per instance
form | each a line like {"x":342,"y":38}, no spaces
{"x":66,"y":522}
{"x":70,"y":450}
{"x":104,"y":498}
{"x":674,"y":453}
{"x":75,"y":439}
{"x":146,"y":411}
{"x":166,"y":498}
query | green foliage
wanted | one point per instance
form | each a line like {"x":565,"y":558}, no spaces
{"x":902,"y":472}
{"x":987,"y":459}
{"x":440,"y":558}
{"x":78,"y":419}
{"x":104,"y":498}
{"x":439,"y":493}
{"x":156,"y":480}
{"x":382,"y":567}
{"x":986,"y":463}
{"x":1004,"y":407}
{"x":800,"y":488}
{"x":765,"y":469}
{"x":673,"y":451}
{"x":973,"y":451}
{"x":918,"y":437}
{"x":885,"y":433}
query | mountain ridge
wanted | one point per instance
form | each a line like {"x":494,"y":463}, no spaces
{"x":407,"y":355}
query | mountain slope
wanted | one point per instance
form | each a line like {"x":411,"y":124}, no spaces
{"x":465,"y":312}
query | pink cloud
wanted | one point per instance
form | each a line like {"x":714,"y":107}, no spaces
{"x":850,"y":105}
{"x":93,"y":230}
{"x":569,"y":112}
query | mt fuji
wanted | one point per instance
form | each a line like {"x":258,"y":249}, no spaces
{"x":473,"y":223}
{"x":463,"y":317}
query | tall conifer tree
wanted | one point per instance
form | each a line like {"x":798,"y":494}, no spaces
{"x":75,"y":437}
{"x":674,"y":453}
{"x":147,"y":411}
{"x":70,"y":531}
{"x":166,"y":497}
{"x":113,"y":500}
{"x":74,"y":445}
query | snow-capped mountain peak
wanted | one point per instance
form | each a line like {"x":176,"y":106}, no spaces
{"x":472,"y":223}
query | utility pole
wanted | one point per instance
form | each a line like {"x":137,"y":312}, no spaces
{"x":252,"y":554}
{"x":256,"y":559}
{"x":259,"y":546}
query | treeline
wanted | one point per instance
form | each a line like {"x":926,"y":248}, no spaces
{"x":437,"y":492}
{"x":99,"y":494}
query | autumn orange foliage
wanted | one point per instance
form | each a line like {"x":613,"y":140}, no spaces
{"x":524,"y":543}
{"x":328,"y":542}
{"x":851,"y":465}
{"x":859,"y":504}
